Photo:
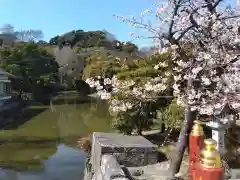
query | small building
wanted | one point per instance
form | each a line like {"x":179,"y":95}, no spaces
{"x":5,"y":85}
{"x":7,"y":40}
{"x":10,"y":104}
{"x":69,"y":62}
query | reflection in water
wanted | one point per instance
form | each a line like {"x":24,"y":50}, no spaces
{"x":43,"y":147}
{"x":25,"y":155}
{"x":66,"y":163}
{"x":62,"y":165}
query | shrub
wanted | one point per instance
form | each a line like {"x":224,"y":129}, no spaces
{"x":173,"y":115}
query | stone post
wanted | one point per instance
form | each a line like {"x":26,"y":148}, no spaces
{"x":218,"y":133}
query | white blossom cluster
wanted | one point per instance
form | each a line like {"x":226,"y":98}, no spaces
{"x":212,"y":70}
{"x":131,"y":93}
{"x":207,"y":80}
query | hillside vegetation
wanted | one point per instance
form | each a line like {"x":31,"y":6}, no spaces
{"x":33,"y":60}
{"x":98,"y":50}
{"x":80,"y":39}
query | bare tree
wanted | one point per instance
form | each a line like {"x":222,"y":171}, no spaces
{"x":30,"y":35}
{"x":7,"y":28}
{"x":20,"y":35}
{"x":23,"y":35}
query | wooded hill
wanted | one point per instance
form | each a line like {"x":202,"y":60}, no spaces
{"x":80,"y":39}
{"x":23,"y":54}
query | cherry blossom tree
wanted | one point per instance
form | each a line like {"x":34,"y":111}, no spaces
{"x":133,"y":90}
{"x":204,"y":81}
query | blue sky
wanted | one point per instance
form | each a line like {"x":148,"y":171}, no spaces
{"x":59,"y":16}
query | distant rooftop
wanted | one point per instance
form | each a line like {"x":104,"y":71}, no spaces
{"x":11,"y":37}
{"x":5,"y":73}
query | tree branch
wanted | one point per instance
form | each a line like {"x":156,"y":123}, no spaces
{"x":177,"y":6}
{"x":210,"y":6}
{"x":217,"y":3}
{"x":231,"y":17}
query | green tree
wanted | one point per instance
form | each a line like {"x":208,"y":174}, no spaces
{"x":35,"y":66}
{"x":88,"y":39}
{"x":130,"y":47}
{"x":42,"y":42}
{"x":54,"y":40}
{"x":137,"y":119}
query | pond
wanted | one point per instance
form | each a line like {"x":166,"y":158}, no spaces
{"x":41,"y":144}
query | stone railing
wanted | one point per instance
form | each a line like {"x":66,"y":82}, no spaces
{"x":110,"y":150}
{"x":109,"y":169}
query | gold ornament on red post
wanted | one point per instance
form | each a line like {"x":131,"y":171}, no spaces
{"x":210,"y":166}
{"x":197,"y":129}
{"x":210,"y":157}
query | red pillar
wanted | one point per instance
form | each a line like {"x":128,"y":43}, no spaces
{"x":210,"y":167}
{"x":211,"y":174}
{"x":196,"y":144}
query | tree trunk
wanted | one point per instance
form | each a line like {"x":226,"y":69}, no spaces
{"x":183,"y":139}
{"x":139,"y":131}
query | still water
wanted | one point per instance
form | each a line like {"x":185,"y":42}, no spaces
{"x":42,"y":144}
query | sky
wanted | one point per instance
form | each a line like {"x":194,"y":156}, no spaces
{"x":55,"y":17}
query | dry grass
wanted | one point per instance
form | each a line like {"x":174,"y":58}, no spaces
{"x":85,"y":143}
{"x":49,"y":48}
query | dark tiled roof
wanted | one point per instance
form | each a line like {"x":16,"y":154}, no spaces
{"x":11,"y":37}
{"x":4,"y":72}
